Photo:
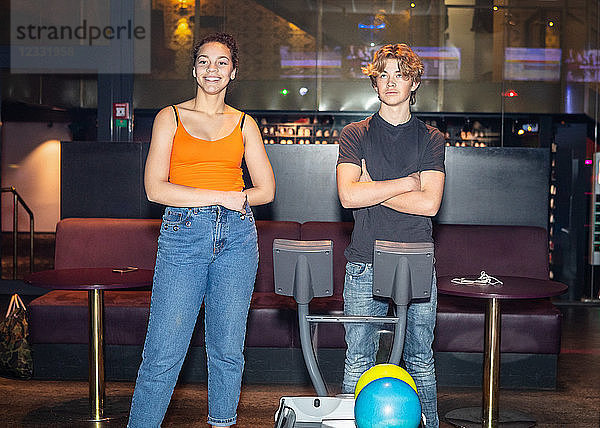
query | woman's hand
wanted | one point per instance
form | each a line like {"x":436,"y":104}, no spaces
{"x":235,"y":201}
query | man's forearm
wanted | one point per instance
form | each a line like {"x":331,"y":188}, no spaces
{"x":416,"y":202}
{"x":362,"y":194}
{"x":425,"y":201}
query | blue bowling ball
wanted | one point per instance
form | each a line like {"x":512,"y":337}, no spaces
{"x":387,"y":403}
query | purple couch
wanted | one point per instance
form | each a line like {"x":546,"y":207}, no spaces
{"x":530,"y":329}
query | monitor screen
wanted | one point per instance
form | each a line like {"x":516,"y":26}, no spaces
{"x":532,"y":64}
{"x":302,"y":64}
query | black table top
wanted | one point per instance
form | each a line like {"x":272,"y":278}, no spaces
{"x":513,"y":287}
{"x":90,"y":279}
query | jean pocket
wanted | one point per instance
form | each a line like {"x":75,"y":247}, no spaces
{"x":356,"y":269}
{"x":174,"y":216}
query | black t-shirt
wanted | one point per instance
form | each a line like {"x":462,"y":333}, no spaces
{"x":390,"y":152}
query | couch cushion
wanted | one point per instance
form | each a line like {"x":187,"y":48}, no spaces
{"x":527,"y":326}
{"x":271,"y":327}
{"x":326,"y":335}
{"x":499,"y":250}
{"x":106,"y":242}
{"x":62,"y":317}
{"x":270,"y":300}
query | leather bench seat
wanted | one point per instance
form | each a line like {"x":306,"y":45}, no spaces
{"x":530,"y":328}
{"x":527,"y":326}
{"x":61,"y":316}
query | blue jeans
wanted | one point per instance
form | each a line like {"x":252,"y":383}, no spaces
{"x":363,"y":339}
{"x":205,"y":254}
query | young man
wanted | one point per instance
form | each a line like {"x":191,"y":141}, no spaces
{"x":390,"y":171}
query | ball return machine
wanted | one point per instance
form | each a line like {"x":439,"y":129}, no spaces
{"x":304,"y":270}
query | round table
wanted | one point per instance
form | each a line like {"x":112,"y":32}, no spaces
{"x":513,"y":287}
{"x":94,"y":281}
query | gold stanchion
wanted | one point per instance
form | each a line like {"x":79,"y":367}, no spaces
{"x":491,"y":364}
{"x":96,"y":354}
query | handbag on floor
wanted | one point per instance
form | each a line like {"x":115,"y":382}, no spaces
{"x":15,"y":351}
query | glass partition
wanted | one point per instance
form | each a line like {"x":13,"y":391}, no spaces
{"x":480,"y":55}
{"x":483,"y":56}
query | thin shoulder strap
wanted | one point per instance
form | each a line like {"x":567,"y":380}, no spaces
{"x":242,"y":121}
{"x":176,"y":115}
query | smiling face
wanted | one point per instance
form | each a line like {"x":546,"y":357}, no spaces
{"x":391,"y":86}
{"x":213,"y":67}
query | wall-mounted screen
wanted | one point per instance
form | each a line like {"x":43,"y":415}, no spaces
{"x":440,"y":62}
{"x":532,"y":64}
{"x":300,"y":65}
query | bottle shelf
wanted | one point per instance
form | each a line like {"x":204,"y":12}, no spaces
{"x":298,"y":133}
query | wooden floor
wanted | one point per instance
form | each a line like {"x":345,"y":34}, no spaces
{"x":576,"y":401}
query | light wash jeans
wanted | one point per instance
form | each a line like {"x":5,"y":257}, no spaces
{"x":363,"y":339}
{"x":205,"y":254}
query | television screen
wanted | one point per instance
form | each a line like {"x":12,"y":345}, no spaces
{"x":532,"y":64}
{"x":300,"y":64}
{"x":440,"y":62}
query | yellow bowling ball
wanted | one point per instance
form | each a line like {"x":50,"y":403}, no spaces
{"x":383,"y":370}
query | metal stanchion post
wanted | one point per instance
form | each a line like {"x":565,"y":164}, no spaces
{"x":96,"y":354}
{"x":491,"y":364}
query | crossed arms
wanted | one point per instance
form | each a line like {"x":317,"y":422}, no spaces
{"x":418,"y":193}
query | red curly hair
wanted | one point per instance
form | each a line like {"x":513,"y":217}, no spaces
{"x":409,"y":63}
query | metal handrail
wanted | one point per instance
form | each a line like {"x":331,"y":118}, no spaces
{"x":16,"y":200}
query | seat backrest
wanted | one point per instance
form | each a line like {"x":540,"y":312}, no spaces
{"x":268,"y":230}
{"x":340,"y":233}
{"x":498,"y":250}
{"x":106,"y":242}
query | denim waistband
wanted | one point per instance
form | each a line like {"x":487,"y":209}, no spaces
{"x":176,"y":215}
{"x":198,"y":210}
{"x":217,"y":209}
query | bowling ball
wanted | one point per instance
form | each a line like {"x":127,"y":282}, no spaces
{"x":387,"y":402}
{"x":383,"y":370}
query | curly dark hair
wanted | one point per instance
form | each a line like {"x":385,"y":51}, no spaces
{"x":224,"y":39}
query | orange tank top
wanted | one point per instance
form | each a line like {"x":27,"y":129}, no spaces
{"x":205,"y":164}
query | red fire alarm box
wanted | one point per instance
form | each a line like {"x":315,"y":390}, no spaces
{"x":121,"y":111}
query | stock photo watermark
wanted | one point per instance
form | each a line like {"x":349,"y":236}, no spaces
{"x":80,"y":36}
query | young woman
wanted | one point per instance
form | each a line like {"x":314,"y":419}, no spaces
{"x":207,"y":248}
